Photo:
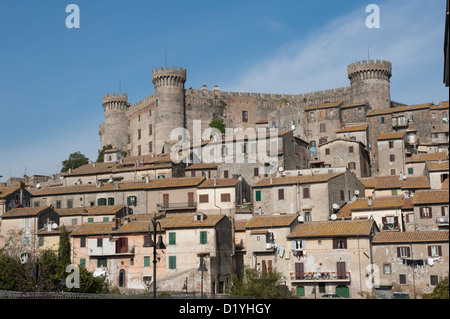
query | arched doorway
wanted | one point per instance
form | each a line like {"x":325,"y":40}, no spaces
{"x":122,"y":278}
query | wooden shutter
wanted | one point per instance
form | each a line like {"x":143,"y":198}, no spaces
{"x":398,"y":252}
{"x":407,"y":218}
{"x":269,"y":264}
{"x":421,"y":212}
{"x":334,"y":243}
{"x":172,"y":238}
{"x":443,"y":209}
{"x":439,"y":250}
{"x":264,"y":267}
{"x":306,"y":192}
{"x":408,"y":252}
{"x":340,"y":268}
{"x":430,"y":210}
{"x":299,"y":271}
{"x":429,"y":251}
{"x":281,"y":194}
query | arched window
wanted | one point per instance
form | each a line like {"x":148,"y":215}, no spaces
{"x":122,"y":278}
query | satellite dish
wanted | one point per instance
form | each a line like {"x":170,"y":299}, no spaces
{"x":301,"y":219}
{"x":356,"y":192}
{"x":54,"y":225}
{"x":335,"y":206}
{"x":38,"y":185}
{"x":280,"y":169}
{"x":333,"y":216}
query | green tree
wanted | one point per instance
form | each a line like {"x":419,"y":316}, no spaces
{"x":440,"y":291}
{"x":218,"y":124}
{"x":75,"y":160}
{"x":64,"y":247}
{"x":258,"y":284}
{"x":9,"y":279}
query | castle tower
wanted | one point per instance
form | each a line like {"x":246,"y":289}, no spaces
{"x":370,"y":81}
{"x":170,"y":108}
{"x":114,"y":129}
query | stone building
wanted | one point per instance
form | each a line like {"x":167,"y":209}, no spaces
{"x":430,"y":210}
{"x":14,"y":197}
{"x":411,"y":262}
{"x":391,"y":154}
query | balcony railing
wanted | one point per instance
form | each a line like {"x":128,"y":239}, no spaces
{"x":320,"y":276}
{"x":174,"y":206}
{"x":441,"y":220}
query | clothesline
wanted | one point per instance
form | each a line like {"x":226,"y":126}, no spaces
{"x":420,"y":262}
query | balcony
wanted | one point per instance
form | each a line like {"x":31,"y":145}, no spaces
{"x":442,"y":221}
{"x":320,"y":277}
{"x":177,"y":206}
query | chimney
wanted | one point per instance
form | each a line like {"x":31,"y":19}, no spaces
{"x":215,"y":181}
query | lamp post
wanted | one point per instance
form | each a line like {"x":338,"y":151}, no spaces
{"x":185,"y":285}
{"x":156,"y":245}
{"x":202,"y":268}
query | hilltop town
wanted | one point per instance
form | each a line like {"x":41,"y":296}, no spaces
{"x":343,"y":191}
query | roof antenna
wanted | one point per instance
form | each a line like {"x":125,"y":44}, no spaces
{"x":120,"y":85}
{"x":165,"y":57}
{"x":368,"y":53}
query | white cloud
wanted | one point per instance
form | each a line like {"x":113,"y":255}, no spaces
{"x":410,"y":34}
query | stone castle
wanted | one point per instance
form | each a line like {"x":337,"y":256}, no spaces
{"x":144,"y":127}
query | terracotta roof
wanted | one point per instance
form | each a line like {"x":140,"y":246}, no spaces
{"x":391,"y":136}
{"x":423,"y":157}
{"x":89,"y":210}
{"x":188,"y":221}
{"x":271,"y":221}
{"x":354,"y":105}
{"x":323,"y":106}
{"x":92,"y":169}
{"x":444,"y":105}
{"x":7,"y":190}
{"x":102,"y":228}
{"x":110,"y":187}
{"x":292,"y":180}
{"x":410,"y":237}
{"x":57,"y":231}
{"x":377,"y":203}
{"x":415,"y":183}
{"x":430,"y":197}
{"x":23,"y":212}
{"x":437,"y":166}
{"x":239,"y":225}
{"x":202,"y":166}
{"x":341,"y":139}
{"x":393,"y":182}
{"x":354,"y":128}
{"x":445,"y":184}
{"x":219,"y":182}
{"x":333,"y":228}
{"x":400,"y":109}
{"x":263,"y":121}
{"x":407,"y":203}
{"x":345,"y":212}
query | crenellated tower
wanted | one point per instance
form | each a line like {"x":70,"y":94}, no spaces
{"x":169,"y":103}
{"x":370,"y":81}
{"x":114,"y":129}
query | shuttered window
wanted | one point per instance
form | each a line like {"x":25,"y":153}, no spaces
{"x":281,"y":194}
{"x":147,"y":261}
{"x":172,"y":238}
{"x":172,"y":262}
{"x":203,"y":237}
{"x":403,"y":252}
{"x":306,"y":193}
{"x":434,"y":251}
{"x":258,"y":196}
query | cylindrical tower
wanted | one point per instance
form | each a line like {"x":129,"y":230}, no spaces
{"x":114,"y":129}
{"x":370,"y":82}
{"x":170,"y":108}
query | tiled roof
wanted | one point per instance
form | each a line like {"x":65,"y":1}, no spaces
{"x":23,"y":212}
{"x":202,"y":166}
{"x":444,"y":105}
{"x":92,"y":169}
{"x":292,"y":180}
{"x":7,"y":190}
{"x":333,"y":228}
{"x":103,"y":228}
{"x":407,"y":203}
{"x":423,"y":157}
{"x":271,"y":221}
{"x":345,"y":212}
{"x":445,"y":184}
{"x":391,"y":136}
{"x":354,"y":105}
{"x":415,"y":183}
{"x":354,"y":128}
{"x":377,"y":203}
{"x":323,"y":106}
{"x":430,"y":197}
{"x":393,"y":182}
{"x":239,"y":225}
{"x":219,"y":182}
{"x":110,"y":187}
{"x":188,"y":221}
{"x":89,"y":210}
{"x":437,"y":166}
{"x":410,"y":237}
{"x":341,"y":139}
{"x":400,"y":109}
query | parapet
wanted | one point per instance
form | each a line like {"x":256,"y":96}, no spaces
{"x":115,"y":97}
{"x":371,"y":65}
{"x":169,"y":74}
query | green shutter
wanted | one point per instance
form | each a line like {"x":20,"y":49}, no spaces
{"x":106,"y":219}
{"x":41,"y":241}
{"x":172,"y":262}
{"x":258,"y":196}
{"x":394,"y":192}
{"x":147,"y":261}
{"x":90,"y":219}
{"x":101,"y":262}
{"x":203,"y":237}
{"x":410,"y":170}
{"x":83,"y":262}
{"x":111,"y":201}
{"x":128,"y":201}
{"x":99,"y":202}
{"x":172,"y":238}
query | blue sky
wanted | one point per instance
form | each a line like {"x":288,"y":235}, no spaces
{"x":52,"y":78}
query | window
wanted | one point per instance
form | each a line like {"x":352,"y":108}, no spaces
{"x":131,"y":201}
{"x":322,"y":140}
{"x":74,"y":221}
{"x":139,"y":150}
{"x":258,"y":196}
{"x":110,"y":201}
{"x":392,"y":158}
{"x":434,"y":279}
{"x":311,"y":115}
{"x":129,"y":138}
{"x":411,"y":118}
{"x":444,"y":210}
{"x":393,"y":171}
{"x":27,"y":222}
{"x":36,"y":204}
{"x":322,"y":288}
{"x":323,"y":127}
{"x":58,"y":204}
{"x":312,"y":143}
{"x":150,"y":147}
{"x":69,"y":203}
{"x":331,"y":112}
{"x":150,"y":129}
{"x":83,"y":262}
{"x":203,"y":237}
{"x":351,"y":165}
{"x":306,"y":192}
{"x":139,"y":134}
{"x":172,"y":262}
{"x":434,"y":251}
{"x":225,"y":174}
{"x":274,"y":122}
{"x":226,"y":197}
{"x":359,"y":110}
{"x":146,"y":261}
{"x":382,"y":120}
{"x":327,"y":151}
{"x":41,"y":241}
{"x":101,"y":201}
{"x":387,"y":270}
{"x":339,"y":243}
{"x":393,"y":192}
{"x":391,"y":144}
{"x":172,"y":238}
{"x":402,"y":279}
{"x":99,"y":242}
{"x":410,"y":170}
{"x":341,"y":195}
{"x":298,"y":244}
{"x":244,"y":116}
{"x":350,"y":149}
{"x":403,"y":251}
{"x":308,"y":217}
{"x":203,"y":198}
{"x":425,"y":212}
{"x":106,"y":219}
{"x":90,"y":219}
{"x":102,"y":262}
{"x":82,"y":242}
{"x":281,"y":194}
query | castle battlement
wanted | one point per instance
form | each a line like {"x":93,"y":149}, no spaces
{"x":115,"y":97}
{"x":371,"y":65}
{"x":169,"y":76}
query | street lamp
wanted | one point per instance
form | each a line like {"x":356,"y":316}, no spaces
{"x":151,"y":243}
{"x":185,"y":285}
{"x":202,"y":268}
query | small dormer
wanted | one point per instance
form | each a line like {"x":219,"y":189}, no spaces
{"x":199,"y":217}
{"x":112,"y":155}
